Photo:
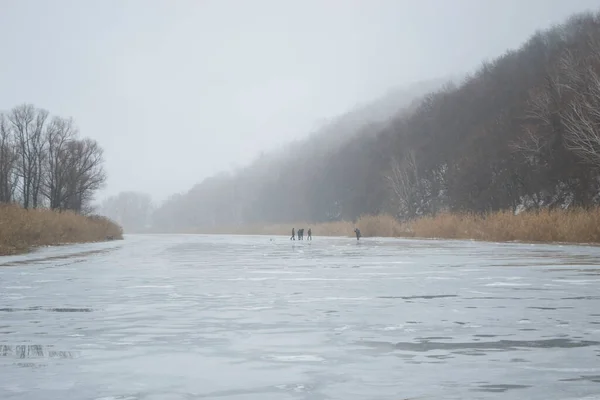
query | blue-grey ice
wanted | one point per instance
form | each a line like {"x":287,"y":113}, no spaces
{"x":242,"y":317}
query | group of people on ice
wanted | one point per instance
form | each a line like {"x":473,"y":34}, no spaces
{"x":309,"y":237}
{"x":301,"y":234}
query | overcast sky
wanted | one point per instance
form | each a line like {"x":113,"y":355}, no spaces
{"x":176,"y":90}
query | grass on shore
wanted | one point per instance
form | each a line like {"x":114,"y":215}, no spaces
{"x":568,"y":226}
{"x":21,"y":229}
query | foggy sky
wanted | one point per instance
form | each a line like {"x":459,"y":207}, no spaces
{"x":176,"y":90}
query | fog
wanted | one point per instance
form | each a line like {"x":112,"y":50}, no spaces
{"x":177,"y":91}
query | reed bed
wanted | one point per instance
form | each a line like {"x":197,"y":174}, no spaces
{"x":568,"y":226}
{"x":21,"y":230}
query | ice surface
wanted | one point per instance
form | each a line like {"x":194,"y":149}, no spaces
{"x":241,"y":317}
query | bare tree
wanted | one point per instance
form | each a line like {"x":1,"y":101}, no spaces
{"x":38,"y":146}
{"x":543,"y":113}
{"x":21,"y":118}
{"x":59,"y":133}
{"x":530,"y":145}
{"x":581,"y":115}
{"x":403,"y":180}
{"x":74,"y":167}
{"x":28,"y":124}
{"x":8,"y":160}
{"x":85,"y":173}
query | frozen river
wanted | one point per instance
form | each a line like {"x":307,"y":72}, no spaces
{"x":226,"y":317}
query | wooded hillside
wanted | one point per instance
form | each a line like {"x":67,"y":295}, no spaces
{"x":522,"y":132}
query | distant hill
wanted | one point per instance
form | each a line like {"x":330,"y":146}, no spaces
{"x":363,"y":119}
{"x":520,"y":133}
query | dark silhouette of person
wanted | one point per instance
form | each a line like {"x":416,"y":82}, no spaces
{"x":293,"y":234}
{"x":300,"y":233}
{"x":309,"y":237}
{"x":357,"y":231}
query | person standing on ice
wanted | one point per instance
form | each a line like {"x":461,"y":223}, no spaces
{"x":293,"y":234}
{"x":357,"y":231}
{"x":309,"y":236}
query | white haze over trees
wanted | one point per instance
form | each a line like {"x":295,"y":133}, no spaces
{"x":176,"y":92}
{"x":520,"y":133}
{"x":132,"y":210}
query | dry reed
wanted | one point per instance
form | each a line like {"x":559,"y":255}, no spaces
{"x":568,"y":226}
{"x":22,"y":229}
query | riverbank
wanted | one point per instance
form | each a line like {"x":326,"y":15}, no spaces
{"x":21,"y":230}
{"x":572,"y":226}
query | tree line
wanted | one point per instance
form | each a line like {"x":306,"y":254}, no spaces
{"x":45,"y":163}
{"x":521,"y":133}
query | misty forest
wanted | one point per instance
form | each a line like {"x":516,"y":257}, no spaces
{"x":521,"y":133}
